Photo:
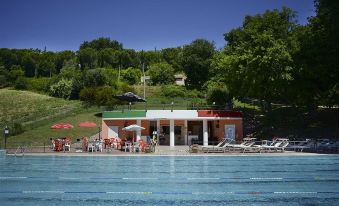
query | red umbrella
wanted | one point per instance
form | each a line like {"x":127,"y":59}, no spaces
{"x":87,"y":124}
{"x":62,"y":126}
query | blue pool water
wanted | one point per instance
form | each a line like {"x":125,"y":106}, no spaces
{"x":251,"y":180}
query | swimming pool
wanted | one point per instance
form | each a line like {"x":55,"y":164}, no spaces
{"x":207,"y":180}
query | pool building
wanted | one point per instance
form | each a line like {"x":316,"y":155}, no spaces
{"x":175,"y":127}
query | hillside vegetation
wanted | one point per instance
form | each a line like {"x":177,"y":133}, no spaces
{"x":27,"y":108}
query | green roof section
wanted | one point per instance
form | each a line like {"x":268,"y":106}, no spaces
{"x":124,"y":114}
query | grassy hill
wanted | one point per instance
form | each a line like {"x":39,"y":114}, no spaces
{"x":35,"y":113}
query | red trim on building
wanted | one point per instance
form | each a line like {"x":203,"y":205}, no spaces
{"x":214,"y":113}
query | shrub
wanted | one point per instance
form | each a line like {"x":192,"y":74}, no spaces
{"x":41,"y":84}
{"x":161,"y":74}
{"x":95,"y":78}
{"x":87,"y":95}
{"x":221,"y":96}
{"x":173,"y":91}
{"x":15,"y":72}
{"x":62,"y":89}
{"x":21,"y":83}
{"x":104,"y":97}
{"x":131,"y":75}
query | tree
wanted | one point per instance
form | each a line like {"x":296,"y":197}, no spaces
{"x":62,"y":89}
{"x":318,"y":59}
{"x":15,"y":72}
{"x":173,"y":57}
{"x":131,"y":75}
{"x":106,"y":57}
{"x":257,"y":61}
{"x":196,"y":62}
{"x":62,"y":57}
{"x":161,"y":74}
{"x":101,"y":43}
{"x":88,"y":58}
{"x":95,"y":78}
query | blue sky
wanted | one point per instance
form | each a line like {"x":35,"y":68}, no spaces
{"x":138,"y":24}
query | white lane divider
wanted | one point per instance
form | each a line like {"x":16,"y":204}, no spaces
{"x":170,"y":193}
{"x":266,"y":178}
{"x":203,"y":178}
{"x":5,"y":178}
{"x":42,"y":191}
{"x":139,"y":178}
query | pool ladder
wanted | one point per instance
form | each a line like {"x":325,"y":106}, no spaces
{"x":21,"y":149}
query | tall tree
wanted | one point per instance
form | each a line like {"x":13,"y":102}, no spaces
{"x":257,"y":60}
{"x":161,"y":73}
{"x":173,"y":57}
{"x":102,"y":43}
{"x":318,"y":76}
{"x":196,"y":62}
{"x":88,"y":58}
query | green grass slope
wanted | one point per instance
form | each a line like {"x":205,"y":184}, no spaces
{"x":37,"y":112}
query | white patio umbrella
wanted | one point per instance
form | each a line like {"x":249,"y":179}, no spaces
{"x":133,"y":128}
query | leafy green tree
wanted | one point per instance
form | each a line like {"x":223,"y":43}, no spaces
{"x":29,"y":62}
{"x":88,"y":58}
{"x":101,"y":43}
{"x":173,"y":56}
{"x":131,"y":75}
{"x":73,"y":73}
{"x":105,"y":97}
{"x":173,"y":91}
{"x":161,"y":74}
{"x":106,"y":57}
{"x":257,"y":61}
{"x":62,"y":58}
{"x":220,"y":96}
{"x":95,"y":78}
{"x":21,"y":83}
{"x":318,"y":74}
{"x":61,"y":89}
{"x":15,"y":72}
{"x":87,"y":96}
{"x":196,"y":62}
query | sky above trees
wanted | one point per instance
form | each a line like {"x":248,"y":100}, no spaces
{"x":138,"y":24}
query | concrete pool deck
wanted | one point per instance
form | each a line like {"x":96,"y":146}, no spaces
{"x":160,"y":151}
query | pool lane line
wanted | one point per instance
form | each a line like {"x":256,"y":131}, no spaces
{"x":173,"y":178}
{"x":171,"y":193}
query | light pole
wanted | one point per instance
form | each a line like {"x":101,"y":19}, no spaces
{"x":6,"y":134}
{"x":99,"y":133}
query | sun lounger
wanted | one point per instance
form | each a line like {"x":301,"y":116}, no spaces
{"x":207,"y":148}
{"x":248,"y":142}
{"x":278,"y":145}
{"x":218,"y":148}
{"x":308,"y":144}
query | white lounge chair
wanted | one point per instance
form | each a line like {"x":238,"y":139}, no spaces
{"x":210,"y":147}
{"x":278,"y":145}
{"x":220,"y":148}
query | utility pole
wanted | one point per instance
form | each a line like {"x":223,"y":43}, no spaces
{"x":143,"y":71}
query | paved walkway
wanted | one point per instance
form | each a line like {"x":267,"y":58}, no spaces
{"x":160,"y":151}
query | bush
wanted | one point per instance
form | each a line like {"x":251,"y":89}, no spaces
{"x":3,"y":81}
{"x":173,"y":91}
{"x":15,"y":72}
{"x":131,"y":75}
{"x":17,"y":128}
{"x":87,"y":95}
{"x":104,"y":97}
{"x":161,"y":74}
{"x":95,"y":78}
{"x":221,"y":96}
{"x":21,"y":83}
{"x":41,"y":84}
{"x":61,"y":89}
